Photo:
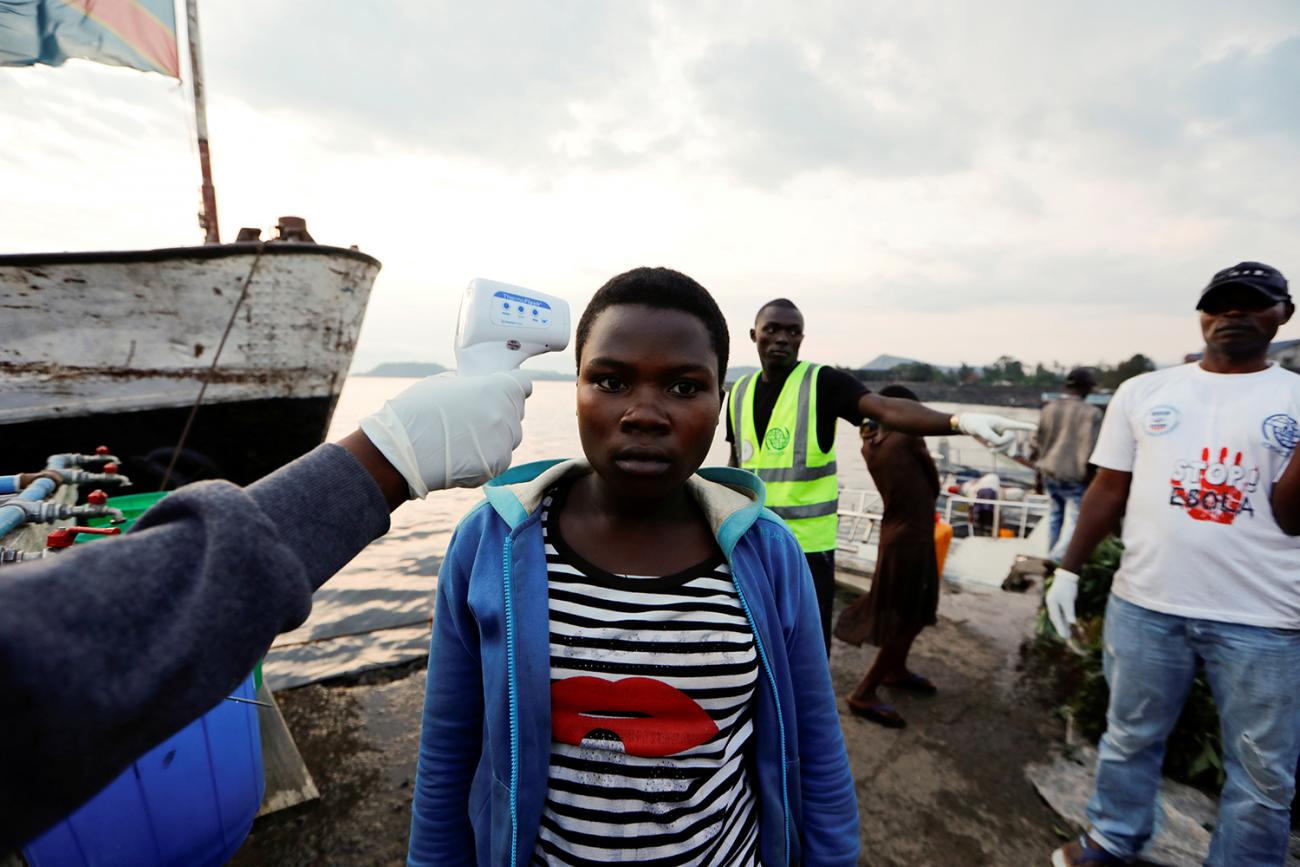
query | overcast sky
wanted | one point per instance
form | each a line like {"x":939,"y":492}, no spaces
{"x":943,"y":180}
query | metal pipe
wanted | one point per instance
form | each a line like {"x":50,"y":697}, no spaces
{"x":12,"y":515}
{"x":67,"y":461}
{"x":9,"y":556}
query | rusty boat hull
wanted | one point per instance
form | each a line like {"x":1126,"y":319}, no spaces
{"x":115,"y":347}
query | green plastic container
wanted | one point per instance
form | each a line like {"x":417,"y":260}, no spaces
{"x":132,"y":506}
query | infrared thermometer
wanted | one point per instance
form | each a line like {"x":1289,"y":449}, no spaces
{"x":502,"y":325}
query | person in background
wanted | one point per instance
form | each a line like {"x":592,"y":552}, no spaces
{"x":1067,"y":432}
{"x":626,"y":663}
{"x":1198,"y":459}
{"x":108,"y":649}
{"x":904,"y":595}
{"x":781,"y":426}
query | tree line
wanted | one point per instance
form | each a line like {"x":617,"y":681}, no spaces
{"x":1008,"y":371}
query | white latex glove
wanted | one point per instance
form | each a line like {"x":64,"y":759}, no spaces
{"x":450,"y":431}
{"x":997,"y":430}
{"x":1060,"y":601}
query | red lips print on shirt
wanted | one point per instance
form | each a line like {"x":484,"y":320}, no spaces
{"x":651,"y":718}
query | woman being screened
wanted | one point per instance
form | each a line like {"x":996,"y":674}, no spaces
{"x":627,"y":662}
{"x":904,"y":597}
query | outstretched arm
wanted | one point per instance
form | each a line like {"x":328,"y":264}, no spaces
{"x":906,"y":416}
{"x":175,"y":614}
{"x":107,"y":649}
{"x":910,"y":417}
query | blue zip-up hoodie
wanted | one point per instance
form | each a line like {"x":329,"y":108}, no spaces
{"x":485,"y":744}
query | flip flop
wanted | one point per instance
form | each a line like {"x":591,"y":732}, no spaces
{"x":879,"y":713}
{"x":918,"y":683}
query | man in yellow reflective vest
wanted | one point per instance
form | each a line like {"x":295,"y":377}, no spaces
{"x":781,"y":424}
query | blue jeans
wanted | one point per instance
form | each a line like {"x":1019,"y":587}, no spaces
{"x":1066,"y":497}
{"x":1254,"y":672}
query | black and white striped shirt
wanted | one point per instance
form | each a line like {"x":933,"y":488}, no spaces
{"x":652,"y":685}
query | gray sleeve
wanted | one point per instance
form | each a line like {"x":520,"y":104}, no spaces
{"x":110,"y":647}
{"x":1042,"y":436}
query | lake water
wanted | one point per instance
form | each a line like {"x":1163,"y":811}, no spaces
{"x":376,"y":611}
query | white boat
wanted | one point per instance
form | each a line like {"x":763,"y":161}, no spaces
{"x":984,"y":546}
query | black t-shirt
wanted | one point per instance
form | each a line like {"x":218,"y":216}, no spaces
{"x":837,"y":398}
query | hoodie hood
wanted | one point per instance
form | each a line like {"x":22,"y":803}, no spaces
{"x":732,"y":499}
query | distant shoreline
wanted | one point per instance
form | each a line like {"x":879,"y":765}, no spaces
{"x":931,"y":392}
{"x":984,"y":395}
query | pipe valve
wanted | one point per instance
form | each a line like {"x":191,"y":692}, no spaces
{"x":65,"y":536}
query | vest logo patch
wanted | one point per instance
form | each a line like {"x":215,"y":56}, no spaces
{"x":777,"y":439}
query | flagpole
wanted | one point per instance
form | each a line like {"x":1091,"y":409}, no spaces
{"x":208,"y":216}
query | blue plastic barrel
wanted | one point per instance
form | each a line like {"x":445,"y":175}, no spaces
{"x":189,"y":802}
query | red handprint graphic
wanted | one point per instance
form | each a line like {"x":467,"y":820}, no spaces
{"x":1220,"y":487}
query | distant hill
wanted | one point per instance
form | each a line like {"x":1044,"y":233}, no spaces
{"x":889,"y":362}
{"x":417,"y":369}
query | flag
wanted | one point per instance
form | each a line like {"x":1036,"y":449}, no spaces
{"x":140,"y":34}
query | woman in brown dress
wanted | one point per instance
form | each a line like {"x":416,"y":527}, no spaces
{"x":904,"y":595}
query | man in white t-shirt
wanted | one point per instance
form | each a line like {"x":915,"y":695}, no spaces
{"x":1196,"y":459}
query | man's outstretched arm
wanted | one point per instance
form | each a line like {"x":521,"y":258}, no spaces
{"x":107,"y":649}
{"x":908,"y":416}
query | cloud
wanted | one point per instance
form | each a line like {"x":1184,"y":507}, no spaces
{"x":495,"y":82}
{"x":1250,"y":92}
{"x":778,"y":112}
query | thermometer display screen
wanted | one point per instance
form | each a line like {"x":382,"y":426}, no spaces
{"x":519,"y":311}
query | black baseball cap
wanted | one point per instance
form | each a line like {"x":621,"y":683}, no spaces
{"x":1264,"y":279}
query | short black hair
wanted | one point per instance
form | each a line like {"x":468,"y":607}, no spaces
{"x":784,"y":303}
{"x":1081,"y":380}
{"x":665,"y":289}
{"x":899,"y":391}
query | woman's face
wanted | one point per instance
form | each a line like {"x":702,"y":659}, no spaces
{"x":648,"y":398}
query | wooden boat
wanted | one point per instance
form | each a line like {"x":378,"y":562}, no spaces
{"x":116,"y":348}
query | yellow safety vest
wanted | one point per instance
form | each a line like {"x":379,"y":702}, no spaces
{"x":799,"y":476}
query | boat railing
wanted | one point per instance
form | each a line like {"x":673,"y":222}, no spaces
{"x":1036,"y":506}
{"x":860,"y":513}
